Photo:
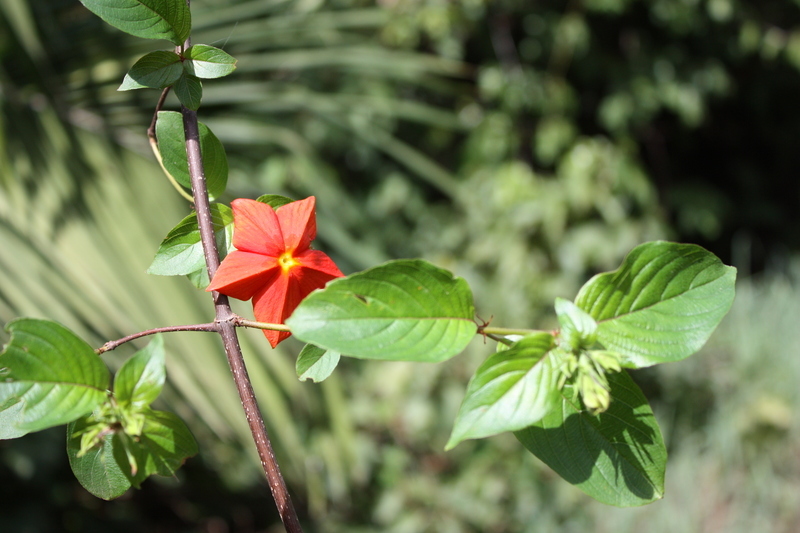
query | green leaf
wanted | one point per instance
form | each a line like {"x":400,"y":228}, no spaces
{"x":181,"y":251}
{"x":662,"y":304}
{"x":171,"y":144}
{"x":98,"y":470}
{"x":148,"y":19}
{"x":12,"y":414}
{"x":316,"y":363}
{"x":578,"y":329}
{"x":511,"y":390}
{"x":617,"y":457}
{"x":274,"y":200}
{"x":163,"y":446}
{"x":140,"y":379}
{"x":207,"y":62}
{"x":406,"y":310}
{"x":189,"y":90}
{"x":155,"y":70}
{"x":53,"y":373}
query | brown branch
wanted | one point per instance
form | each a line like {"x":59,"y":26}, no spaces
{"x":225,"y":319}
{"x":112,"y":345}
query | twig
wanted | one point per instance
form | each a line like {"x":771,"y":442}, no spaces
{"x":225,"y":321}
{"x":112,"y":345}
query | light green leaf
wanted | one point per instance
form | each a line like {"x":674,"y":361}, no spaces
{"x":98,"y":470}
{"x":155,"y":70}
{"x":662,"y":304}
{"x":316,"y":363}
{"x":617,"y":457}
{"x":189,"y":90}
{"x":140,"y":379}
{"x":578,"y":329}
{"x":148,"y":19}
{"x":12,"y":414}
{"x":406,"y":310}
{"x":181,"y":251}
{"x":274,"y":200}
{"x":163,"y":446}
{"x":55,"y":374}
{"x":207,"y":62}
{"x":511,"y":390}
{"x":171,"y":144}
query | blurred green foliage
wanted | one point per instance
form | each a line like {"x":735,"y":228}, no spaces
{"x":523,"y":145}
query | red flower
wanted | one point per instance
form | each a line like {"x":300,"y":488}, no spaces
{"x":272,"y":263}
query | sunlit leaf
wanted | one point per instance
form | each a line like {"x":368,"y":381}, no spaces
{"x":316,"y":363}
{"x":148,"y":19}
{"x":140,"y":379}
{"x":206,"y":62}
{"x":406,"y":310}
{"x":53,"y":373}
{"x":662,"y":304}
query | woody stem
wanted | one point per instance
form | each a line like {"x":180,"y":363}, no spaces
{"x":225,"y":319}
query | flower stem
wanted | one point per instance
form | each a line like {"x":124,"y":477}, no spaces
{"x":509,"y":331}
{"x":225,"y":319}
{"x":243,"y":323}
{"x":112,"y":345}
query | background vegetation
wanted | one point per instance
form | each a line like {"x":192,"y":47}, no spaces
{"x":523,"y":145}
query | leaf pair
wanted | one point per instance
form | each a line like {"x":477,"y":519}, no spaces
{"x":51,"y":377}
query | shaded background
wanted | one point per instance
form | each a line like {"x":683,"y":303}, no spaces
{"x":523,"y":145}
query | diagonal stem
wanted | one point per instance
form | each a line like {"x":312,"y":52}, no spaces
{"x":225,"y":320}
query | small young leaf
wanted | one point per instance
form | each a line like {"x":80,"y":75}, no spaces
{"x":274,"y":200}
{"x":165,"y":443}
{"x":171,"y":144}
{"x":208,"y":62}
{"x":578,"y":329}
{"x":181,"y":252}
{"x":52,"y":372}
{"x":316,"y":363}
{"x":140,"y":379}
{"x":617,"y":457}
{"x":511,"y":390}
{"x":98,"y":470}
{"x":661,"y":305}
{"x":189,"y":90}
{"x":155,"y":70}
{"x":406,"y":310}
{"x":148,"y":19}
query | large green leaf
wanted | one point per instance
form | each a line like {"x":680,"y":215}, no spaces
{"x":511,"y":390}
{"x":53,"y":373}
{"x":181,"y":251}
{"x":148,"y":19}
{"x":172,"y":144}
{"x":617,"y":457}
{"x":207,"y":62}
{"x":140,"y":379}
{"x":97,"y":471}
{"x":155,"y":70}
{"x":406,"y":310}
{"x":662,"y":304}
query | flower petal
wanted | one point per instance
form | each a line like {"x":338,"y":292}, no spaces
{"x":242,"y":274}
{"x":256,"y":228}
{"x":274,"y":303}
{"x":298,"y":224}
{"x":320,"y":262}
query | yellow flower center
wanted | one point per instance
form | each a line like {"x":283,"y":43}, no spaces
{"x":287,"y":261}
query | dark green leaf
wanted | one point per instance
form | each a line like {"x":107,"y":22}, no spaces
{"x":189,"y":90}
{"x":662,"y":304}
{"x":407,"y":310}
{"x":181,"y":252}
{"x":171,"y":144}
{"x":207,"y":62}
{"x":617,"y":457}
{"x":155,"y":70}
{"x":148,"y":19}
{"x":316,"y":363}
{"x":140,"y":379}
{"x":511,"y":390}
{"x":98,"y":470}
{"x":55,"y":374}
